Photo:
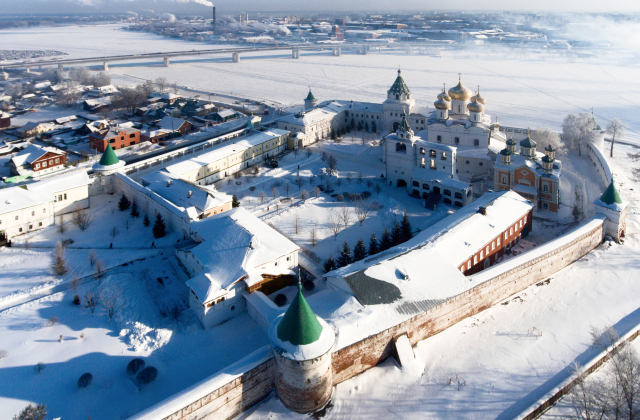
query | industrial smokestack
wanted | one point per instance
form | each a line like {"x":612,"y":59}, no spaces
{"x":214,"y":18}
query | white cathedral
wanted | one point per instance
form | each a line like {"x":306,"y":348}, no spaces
{"x":455,"y":146}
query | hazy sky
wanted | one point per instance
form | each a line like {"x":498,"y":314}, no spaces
{"x":199,"y":6}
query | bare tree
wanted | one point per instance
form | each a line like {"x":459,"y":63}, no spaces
{"x":360,"y":178}
{"x":377,"y":189}
{"x":345,"y":215}
{"x":296,"y":150}
{"x":316,"y":191}
{"x":92,"y":258}
{"x":83,"y":218}
{"x":332,"y":165}
{"x":362,"y":208}
{"x":126,"y":223}
{"x":309,"y":152}
{"x":299,"y":182}
{"x":75,"y":282}
{"x":59,"y":265}
{"x":99,"y":270}
{"x":335,"y":223}
{"x":54,"y":320}
{"x":112,"y":301}
{"x":39,"y":367}
{"x":61,"y":224}
{"x":287,"y":188}
{"x":304,"y":195}
{"x":349,"y":177}
{"x":91,"y":302}
{"x":313,"y":235}
{"x":544,"y":136}
{"x":263,"y":197}
{"x":100,"y":80}
{"x":114,"y":232}
{"x":296,"y":221}
{"x":161,"y":83}
{"x":274,"y":192}
{"x":175,"y":87}
{"x":577,"y":129}
{"x":615,"y":128}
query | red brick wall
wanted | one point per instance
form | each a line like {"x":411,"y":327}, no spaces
{"x":123,"y":139}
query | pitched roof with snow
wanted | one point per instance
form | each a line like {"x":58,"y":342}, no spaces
{"x":16,"y":198}
{"x":60,"y":183}
{"x":171,"y":123}
{"x":31,"y":153}
{"x":236,"y":243}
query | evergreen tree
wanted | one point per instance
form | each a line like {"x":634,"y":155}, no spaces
{"x":353,"y":124}
{"x":360,"y":251}
{"x":159,"y":228}
{"x":359,"y":125}
{"x":396,"y":234}
{"x":146,"y":220}
{"x":386,"y":242}
{"x":124,"y":203}
{"x":134,"y":210}
{"x":405,"y":228}
{"x":366,"y":126}
{"x":374,"y":247}
{"x":234,"y":201}
{"x":374,"y":128}
{"x":329,"y":265}
{"x":333,"y":134}
{"x":32,"y":412}
{"x":345,"y":255}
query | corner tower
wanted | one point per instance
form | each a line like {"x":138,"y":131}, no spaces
{"x":105,"y":168}
{"x":611,"y":205}
{"x":310,"y":101}
{"x":302,"y":344}
{"x":399,"y":99}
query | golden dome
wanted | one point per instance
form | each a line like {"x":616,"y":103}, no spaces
{"x":460,"y":93}
{"x":443,"y":95}
{"x":475,"y":107}
{"x":441,"y":104}
{"x":479,"y":98}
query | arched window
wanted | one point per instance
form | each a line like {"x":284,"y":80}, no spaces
{"x":443,"y":156}
{"x":457,"y":140}
{"x":422,"y":151}
{"x":425,"y":186}
{"x":458,"y":195}
{"x":416,"y":184}
{"x":397,"y":96}
{"x":447,"y":192}
{"x":401,"y":148}
{"x":476,"y":142}
{"x":432,"y":153}
{"x":545,"y":188}
{"x":408,"y":96}
{"x":439,"y":139}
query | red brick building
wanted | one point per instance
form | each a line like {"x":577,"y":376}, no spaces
{"x":5,"y":120}
{"x":117,"y":137}
{"x":37,"y":160}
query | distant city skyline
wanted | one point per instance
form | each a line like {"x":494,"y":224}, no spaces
{"x":337,"y":6}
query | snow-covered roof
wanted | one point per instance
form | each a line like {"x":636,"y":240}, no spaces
{"x":431,"y":145}
{"x":60,"y":183}
{"x":170,"y":123}
{"x":226,"y":113}
{"x":328,"y":110}
{"x":238,"y":145}
{"x":423,"y":271}
{"x":31,"y":153}
{"x":183,"y":194}
{"x":317,"y":348}
{"x":518,"y":161}
{"x":235,"y":244}
{"x":16,"y":198}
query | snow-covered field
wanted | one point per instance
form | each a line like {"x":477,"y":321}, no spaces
{"x":530,"y":89}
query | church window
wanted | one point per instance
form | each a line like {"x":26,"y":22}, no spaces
{"x":422,"y":151}
{"x":467,"y":162}
{"x":397,"y":96}
{"x":459,"y":109}
{"x":432,"y":164}
{"x":447,"y":192}
{"x":480,"y":164}
{"x":425,"y":186}
{"x":476,"y":142}
{"x":421,"y":121}
{"x":401,"y":148}
{"x":458,"y":195}
{"x":439,"y":139}
{"x":443,"y":156}
{"x":504,"y":179}
{"x":432,"y":153}
{"x":416,"y":184}
{"x":457,"y":140}
{"x":545,"y":206}
{"x":545,"y":188}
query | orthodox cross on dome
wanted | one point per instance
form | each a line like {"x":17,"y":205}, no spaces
{"x":460,"y":77}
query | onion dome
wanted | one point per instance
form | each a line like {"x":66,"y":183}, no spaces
{"x":459,"y":92}
{"x":550,"y":149}
{"x":399,"y":87}
{"x":528,"y":143}
{"x":505,"y":152}
{"x":109,"y":157}
{"x":547,"y":159}
{"x":475,"y":107}
{"x":511,"y":142}
{"x":443,"y":95}
{"x":479,"y":98}
{"x":441,"y":104}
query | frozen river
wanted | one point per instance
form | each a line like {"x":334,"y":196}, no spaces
{"x":532,"y":89}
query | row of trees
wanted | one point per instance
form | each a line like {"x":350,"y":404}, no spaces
{"x":577,"y":129}
{"x":159,"y":227}
{"x":400,"y":233}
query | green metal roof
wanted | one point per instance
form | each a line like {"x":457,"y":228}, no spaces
{"x":611,"y":195}
{"x":399,"y":86}
{"x":505,"y":152}
{"x":299,"y":325}
{"x":528,"y":143}
{"x":595,"y":121}
{"x":109,"y":157}
{"x":405,"y":124}
{"x":310,"y":96}
{"x":511,"y":142}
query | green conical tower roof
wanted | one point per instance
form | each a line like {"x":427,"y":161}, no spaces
{"x":399,"y":86}
{"x":595,"y":121}
{"x":310,"y":96}
{"x":611,"y":195}
{"x":109,"y":157}
{"x":299,"y":325}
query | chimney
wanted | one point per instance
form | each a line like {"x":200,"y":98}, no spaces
{"x":189,"y":194}
{"x":482,"y":210}
{"x":214,"y":18}
{"x":168,"y":183}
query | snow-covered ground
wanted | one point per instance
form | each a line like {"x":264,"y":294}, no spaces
{"x":498,"y":363}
